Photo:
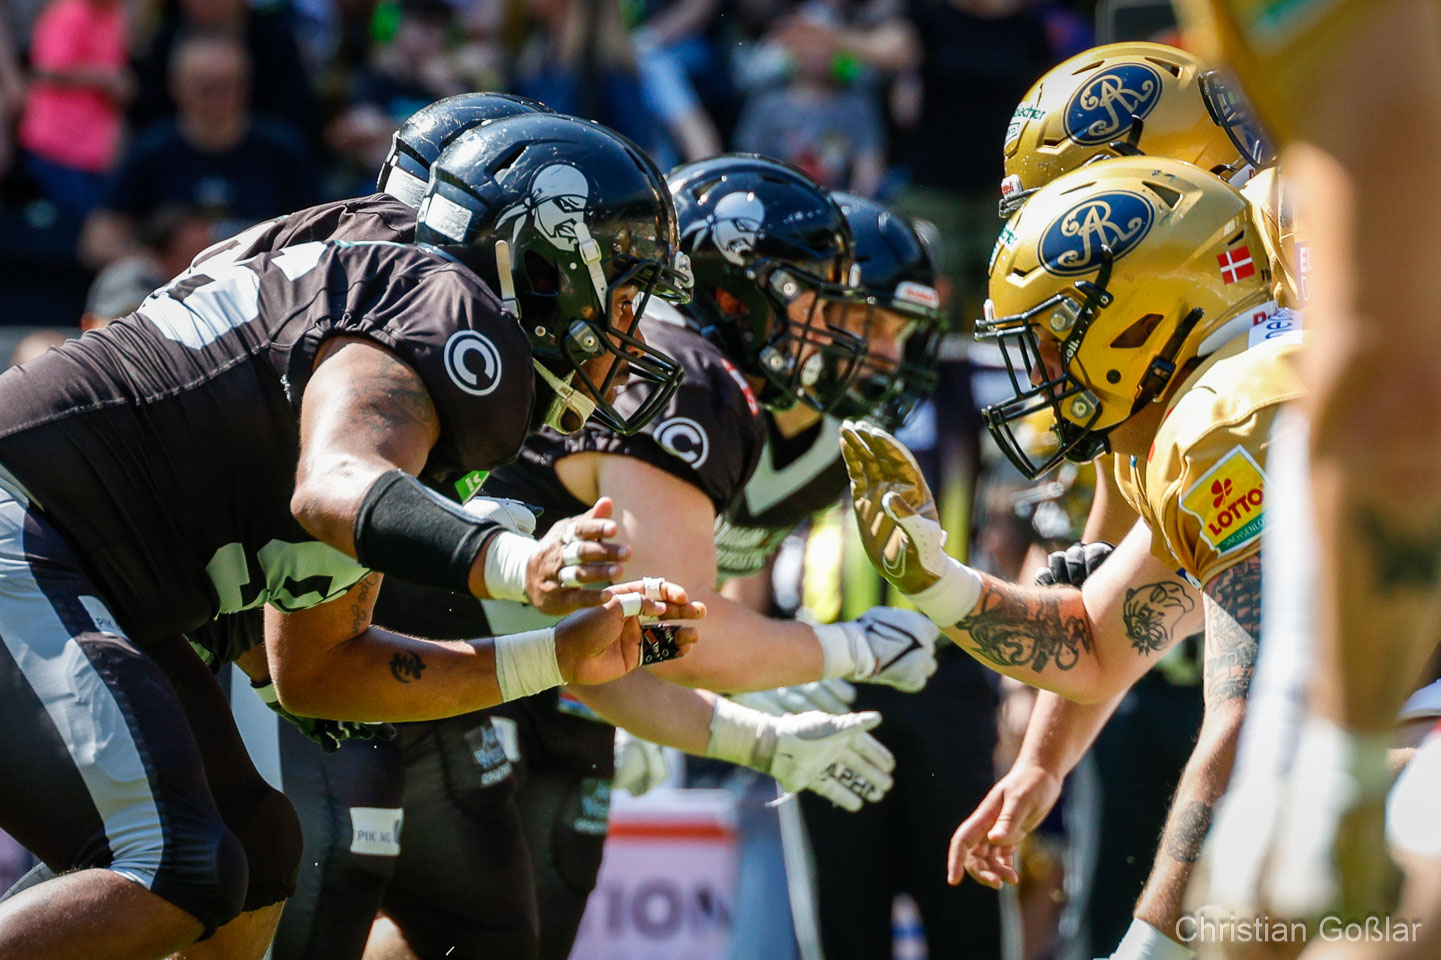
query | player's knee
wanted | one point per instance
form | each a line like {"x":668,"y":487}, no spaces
{"x":271,"y":838}
{"x":202,"y":871}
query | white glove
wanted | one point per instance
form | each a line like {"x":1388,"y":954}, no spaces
{"x":832,"y":756}
{"x":885,"y":645}
{"x":832,"y":696}
{"x":513,"y":515}
{"x":1144,"y":942}
{"x":640,"y":766}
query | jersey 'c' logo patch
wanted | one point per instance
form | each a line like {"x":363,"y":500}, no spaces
{"x":1072,"y":244}
{"x":473,"y":362}
{"x":1230,"y":502}
{"x":684,"y":438}
{"x":1102,"y":109}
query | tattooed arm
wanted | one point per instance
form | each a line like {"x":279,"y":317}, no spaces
{"x":1233,"y":624}
{"x":1087,"y":645}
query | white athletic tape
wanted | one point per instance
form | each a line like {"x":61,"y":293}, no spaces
{"x":631,"y":603}
{"x":734,"y":732}
{"x":570,"y":576}
{"x":506,"y":562}
{"x":652,"y":587}
{"x":570,"y":554}
{"x":525,"y":663}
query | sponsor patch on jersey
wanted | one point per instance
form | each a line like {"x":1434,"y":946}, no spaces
{"x":470,"y":484}
{"x":1103,"y":108}
{"x":1230,"y":502}
{"x":1118,"y":220}
{"x":446,"y":217}
{"x":376,"y":830}
{"x":593,"y":816}
{"x":472,"y":362}
{"x":684,"y":438}
{"x":104,"y":621}
{"x":489,"y":753}
{"x":568,"y":703}
{"x":1277,"y":324}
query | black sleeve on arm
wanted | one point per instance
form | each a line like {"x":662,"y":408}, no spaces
{"x":408,"y":530}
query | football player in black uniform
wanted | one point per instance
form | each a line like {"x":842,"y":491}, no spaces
{"x":252,"y":436}
{"x":457,"y":881}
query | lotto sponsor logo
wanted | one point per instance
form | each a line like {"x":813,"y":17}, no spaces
{"x":1236,"y":265}
{"x":1230,"y":502}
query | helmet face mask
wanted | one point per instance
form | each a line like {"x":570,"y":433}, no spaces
{"x":808,"y":358}
{"x":564,"y":216}
{"x":1108,"y":283}
{"x":1232,"y":112}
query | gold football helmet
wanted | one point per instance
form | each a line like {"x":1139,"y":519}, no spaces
{"x":1106,"y":283}
{"x":1273,"y":206}
{"x":1122,"y":99}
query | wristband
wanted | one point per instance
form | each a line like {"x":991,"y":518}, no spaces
{"x":505,"y":565}
{"x":737,"y":735}
{"x":952,"y":597}
{"x":1144,"y":942}
{"x":525,"y":663}
{"x":408,"y":530}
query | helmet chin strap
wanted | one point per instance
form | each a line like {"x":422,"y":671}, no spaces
{"x":506,"y":278}
{"x":571,"y":408}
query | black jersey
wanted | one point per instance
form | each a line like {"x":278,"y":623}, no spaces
{"x":710,"y":434}
{"x":378,"y":216}
{"x":795,"y":478}
{"x":165,"y":445}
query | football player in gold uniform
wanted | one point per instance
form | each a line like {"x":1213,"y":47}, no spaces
{"x":1352,"y":91}
{"x":1133,"y":306}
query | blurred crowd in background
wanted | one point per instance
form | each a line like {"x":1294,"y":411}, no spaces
{"x":134,"y":133}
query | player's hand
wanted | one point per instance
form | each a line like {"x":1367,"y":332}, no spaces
{"x":829,"y":696}
{"x":832,"y":756}
{"x":985,"y":844}
{"x":1071,"y":566}
{"x":899,"y":525}
{"x":575,"y":552}
{"x":330,"y":734}
{"x":640,"y":765}
{"x":902,"y":644}
{"x":603,"y":643}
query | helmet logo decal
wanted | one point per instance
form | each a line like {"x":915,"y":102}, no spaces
{"x":1072,"y":243}
{"x":556,"y":202}
{"x":472,"y":362}
{"x":684,"y":438}
{"x":1102,"y":109}
{"x":733,"y":226}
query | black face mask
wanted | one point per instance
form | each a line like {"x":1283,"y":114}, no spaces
{"x":1232,"y":112}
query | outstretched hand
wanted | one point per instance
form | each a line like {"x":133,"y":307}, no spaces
{"x":603,"y":643}
{"x":985,"y":844}
{"x":895,"y":511}
{"x":573,"y":553}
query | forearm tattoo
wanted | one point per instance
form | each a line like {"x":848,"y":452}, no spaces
{"x":1186,"y":831}
{"x":1233,"y":626}
{"x":406,"y":666}
{"x":1019,"y":627}
{"x":1152,"y":612}
{"x":361,"y":605}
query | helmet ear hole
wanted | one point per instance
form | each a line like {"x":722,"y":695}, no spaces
{"x":1137,"y":333}
{"x":540,"y":275}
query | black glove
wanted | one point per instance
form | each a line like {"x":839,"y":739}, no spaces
{"x":330,"y":734}
{"x":1071,"y":566}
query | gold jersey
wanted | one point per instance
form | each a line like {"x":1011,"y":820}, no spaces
{"x":1274,"y":210}
{"x":1202,"y":488}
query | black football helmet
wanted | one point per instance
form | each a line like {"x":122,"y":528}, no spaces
{"x":896,"y":274}
{"x":760,"y":234}
{"x":559,"y":214}
{"x":418,"y":142}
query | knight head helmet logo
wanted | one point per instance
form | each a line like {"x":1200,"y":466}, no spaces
{"x":1102,"y":109}
{"x":733,"y":225}
{"x":556,"y":202}
{"x":1073,"y":243}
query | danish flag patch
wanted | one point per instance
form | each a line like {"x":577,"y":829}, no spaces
{"x":1236,"y":265}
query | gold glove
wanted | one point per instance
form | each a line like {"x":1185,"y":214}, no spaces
{"x":897,"y":515}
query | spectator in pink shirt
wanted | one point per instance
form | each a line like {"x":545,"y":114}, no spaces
{"x":71,"y":125}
